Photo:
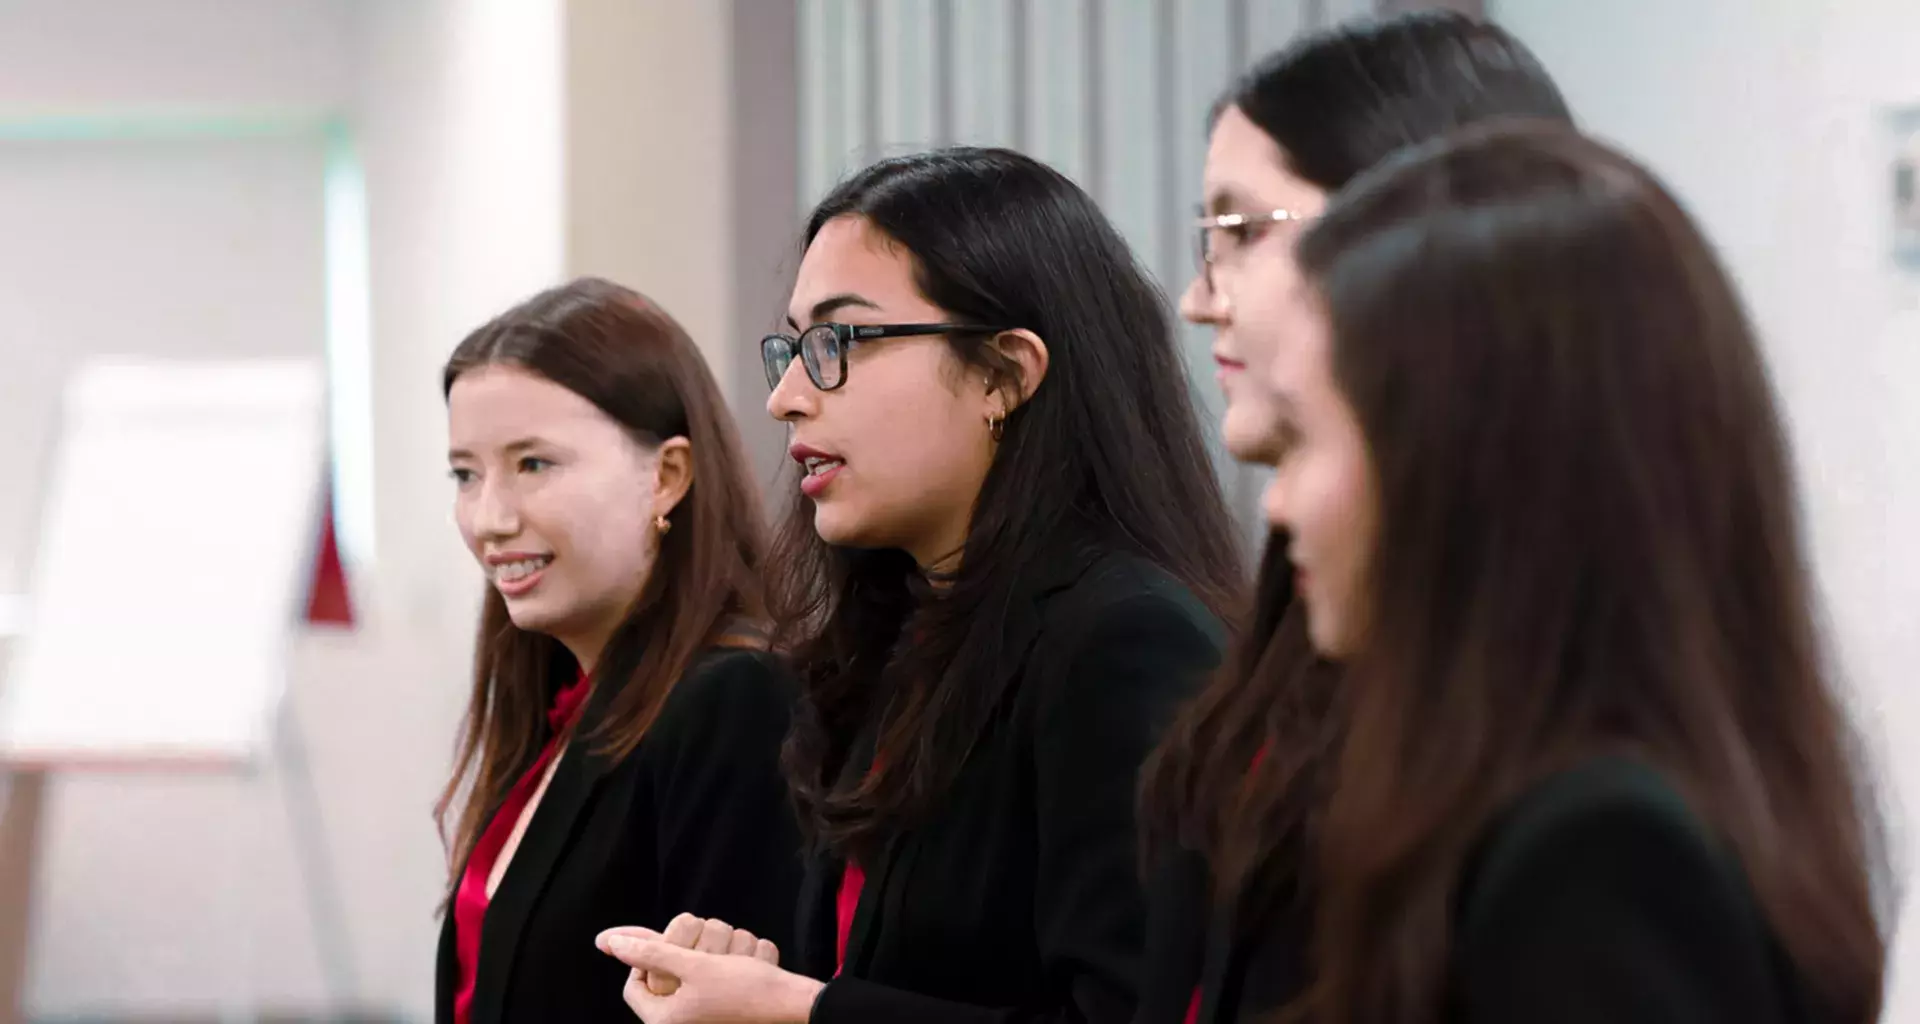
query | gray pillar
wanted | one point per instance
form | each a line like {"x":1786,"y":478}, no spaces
{"x":766,"y":210}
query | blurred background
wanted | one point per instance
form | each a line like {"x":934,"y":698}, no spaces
{"x":366,"y":180}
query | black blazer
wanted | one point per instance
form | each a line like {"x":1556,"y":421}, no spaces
{"x":695,"y":819}
{"x":1242,"y":970}
{"x":1020,"y":898}
{"x":1598,"y":897}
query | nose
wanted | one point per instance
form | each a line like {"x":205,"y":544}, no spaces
{"x":1201,"y":302}
{"x":794,"y":397}
{"x":494,"y":512}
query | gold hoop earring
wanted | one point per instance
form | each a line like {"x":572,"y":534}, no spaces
{"x":997,"y":426}
{"x":660,"y":523}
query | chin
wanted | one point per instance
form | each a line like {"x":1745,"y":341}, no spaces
{"x":1244,"y":436}
{"x":838,"y":528}
{"x":532,"y":615}
{"x":1328,"y":639}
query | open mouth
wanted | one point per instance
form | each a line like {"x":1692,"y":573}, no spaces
{"x":821,"y":470}
{"x":520,"y":575}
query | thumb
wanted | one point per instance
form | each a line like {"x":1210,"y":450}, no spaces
{"x":652,"y":955}
{"x":625,"y":931}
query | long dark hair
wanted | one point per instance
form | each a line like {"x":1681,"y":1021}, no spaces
{"x":1588,"y":543}
{"x":1106,"y":454}
{"x":1336,"y":103}
{"x":624,"y":354}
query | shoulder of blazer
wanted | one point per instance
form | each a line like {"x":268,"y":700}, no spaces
{"x":1593,"y":811}
{"x":1600,"y":893}
{"x":1123,"y":622}
{"x":1116,"y":582}
{"x":726,"y":683}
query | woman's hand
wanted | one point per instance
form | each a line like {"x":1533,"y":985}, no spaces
{"x":709,"y":987}
{"x":708,"y":935}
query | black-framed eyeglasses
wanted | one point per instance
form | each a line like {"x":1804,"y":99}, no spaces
{"x":1237,"y":227}
{"x":823,"y":347}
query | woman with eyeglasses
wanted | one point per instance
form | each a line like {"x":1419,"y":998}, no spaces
{"x":1004,"y":567}
{"x":1229,"y":911}
{"x":1588,"y":761}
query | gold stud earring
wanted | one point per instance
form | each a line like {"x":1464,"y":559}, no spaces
{"x":660,"y":523}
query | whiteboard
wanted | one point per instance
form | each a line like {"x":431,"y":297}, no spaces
{"x":176,"y":543}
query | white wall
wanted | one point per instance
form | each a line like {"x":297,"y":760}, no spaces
{"x":66,"y":56}
{"x":134,"y":247}
{"x":176,"y":896}
{"x":1762,"y":114}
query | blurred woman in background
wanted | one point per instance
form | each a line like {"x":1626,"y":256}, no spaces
{"x":1003,"y":569}
{"x":1584,"y":762}
{"x":1293,"y":130}
{"x":620,"y":759}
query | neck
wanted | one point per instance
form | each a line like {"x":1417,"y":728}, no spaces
{"x":585,"y":650}
{"x":942,"y":568}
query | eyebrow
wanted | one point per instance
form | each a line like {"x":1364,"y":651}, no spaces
{"x":832,"y":304}
{"x":512,"y":447}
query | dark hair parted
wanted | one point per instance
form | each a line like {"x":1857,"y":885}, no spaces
{"x":1336,"y":103}
{"x":1589,"y":543}
{"x":637,"y":365}
{"x":1106,"y":454}
{"x":1339,"y":101}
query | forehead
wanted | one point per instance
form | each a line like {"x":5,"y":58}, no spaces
{"x":500,"y":404}
{"x":850,"y":257}
{"x":1245,"y":167}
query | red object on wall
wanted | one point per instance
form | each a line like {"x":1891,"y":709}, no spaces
{"x":329,"y":603}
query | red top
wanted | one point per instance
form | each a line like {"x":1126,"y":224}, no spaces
{"x":1193,"y":1005}
{"x":852,"y":882}
{"x":470,"y":901}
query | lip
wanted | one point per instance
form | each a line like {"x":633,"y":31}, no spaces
{"x":1228,"y":368}
{"x":800,"y":452}
{"x":814,"y":484}
{"x":500,"y":558}
{"x":525,"y":584}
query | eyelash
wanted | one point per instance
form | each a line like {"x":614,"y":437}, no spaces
{"x":463,"y":476}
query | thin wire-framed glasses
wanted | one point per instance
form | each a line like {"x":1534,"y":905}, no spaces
{"x":1238,"y":229}
{"x":823,"y":347}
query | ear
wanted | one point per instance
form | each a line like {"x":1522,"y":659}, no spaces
{"x":1028,"y":353}
{"x":673,"y":474}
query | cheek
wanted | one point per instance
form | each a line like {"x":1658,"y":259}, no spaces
{"x":1345,"y":518}
{"x":463,"y":521}
{"x":1265,"y":299}
{"x":914,"y":450}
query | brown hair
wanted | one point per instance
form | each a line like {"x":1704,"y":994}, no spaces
{"x":630,"y":359}
{"x":1589,"y":542}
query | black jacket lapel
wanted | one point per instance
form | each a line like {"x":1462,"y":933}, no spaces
{"x":546,"y":839}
